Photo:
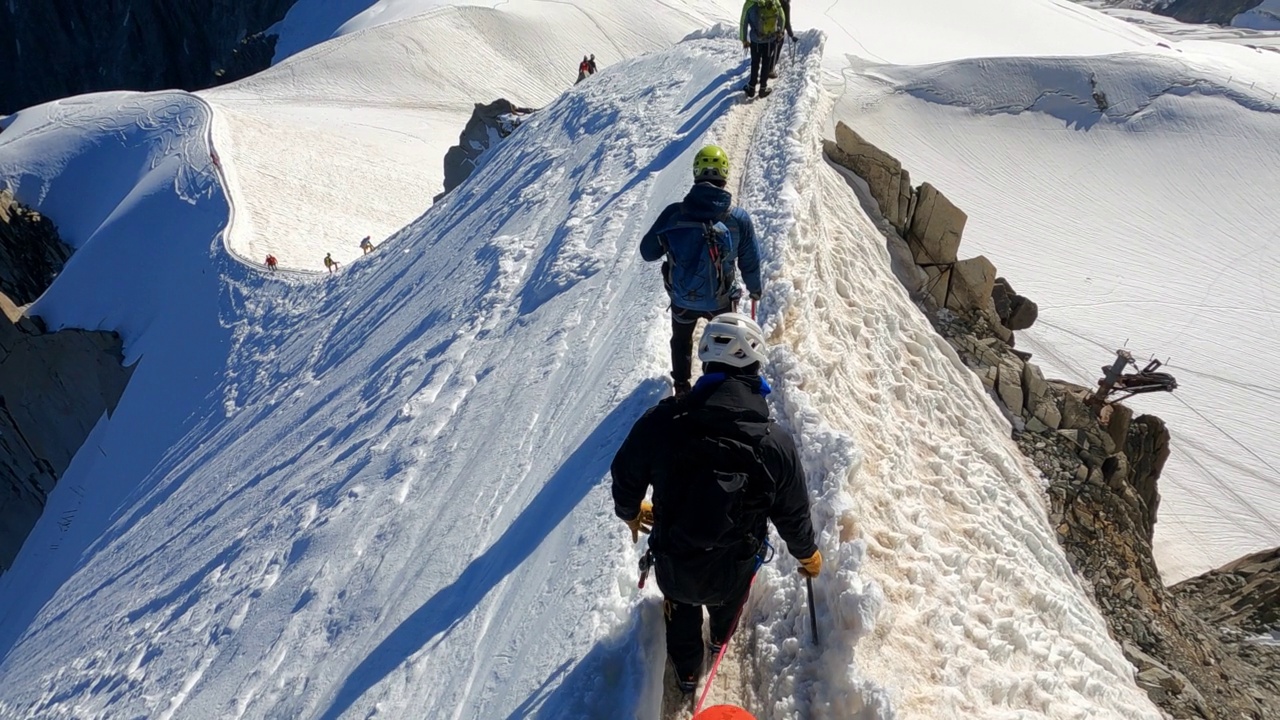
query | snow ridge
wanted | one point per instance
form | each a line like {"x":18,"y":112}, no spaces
{"x":796,"y":677}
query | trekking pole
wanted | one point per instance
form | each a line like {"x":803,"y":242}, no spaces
{"x":813,"y":613}
{"x":753,"y":309}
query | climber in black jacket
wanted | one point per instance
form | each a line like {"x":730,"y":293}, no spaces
{"x":720,"y":470}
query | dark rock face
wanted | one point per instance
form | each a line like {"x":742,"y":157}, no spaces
{"x":1241,"y":600}
{"x":1218,"y":12}
{"x":489,"y":124}
{"x":53,"y":389}
{"x":55,"y":48}
{"x":53,"y":386}
{"x":31,"y":253}
{"x":1016,"y":312}
{"x":1244,"y":594}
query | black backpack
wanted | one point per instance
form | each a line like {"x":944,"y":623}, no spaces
{"x":713,"y":472}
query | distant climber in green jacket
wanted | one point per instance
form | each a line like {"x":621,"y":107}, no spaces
{"x":761,"y":28}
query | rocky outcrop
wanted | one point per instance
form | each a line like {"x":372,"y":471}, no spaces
{"x":1241,"y":602}
{"x":936,"y":226}
{"x":890,"y":184}
{"x":53,"y":386}
{"x":1102,"y":470}
{"x":489,"y":125}
{"x":1100,"y":462}
{"x":1217,"y":12}
{"x":1015,"y":311}
{"x":31,"y":253}
{"x":1244,"y":594}
{"x":55,"y":48}
{"x":53,"y":389}
{"x":931,"y":226}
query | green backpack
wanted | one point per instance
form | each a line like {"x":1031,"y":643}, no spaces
{"x":771,"y":21}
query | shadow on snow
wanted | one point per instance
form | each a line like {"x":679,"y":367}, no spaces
{"x":579,"y":472}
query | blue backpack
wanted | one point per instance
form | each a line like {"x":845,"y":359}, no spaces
{"x":699,"y":270}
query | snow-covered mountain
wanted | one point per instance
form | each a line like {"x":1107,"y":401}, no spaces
{"x":1263,"y":17}
{"x":385,"y":493}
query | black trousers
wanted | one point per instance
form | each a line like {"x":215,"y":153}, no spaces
{"x":683,"y":323}
{"x":762,"y":56}
{"x":684,"y":628}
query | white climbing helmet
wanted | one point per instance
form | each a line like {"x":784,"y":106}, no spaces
{"x":733,"y":339}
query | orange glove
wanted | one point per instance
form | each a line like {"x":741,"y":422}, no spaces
{"x":812,"y":565}
{"x":643,"y":522}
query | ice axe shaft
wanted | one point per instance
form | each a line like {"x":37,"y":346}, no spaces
{"x":813,"y":612}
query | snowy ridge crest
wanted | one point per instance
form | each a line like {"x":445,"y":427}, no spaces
{"x":807,"y":679}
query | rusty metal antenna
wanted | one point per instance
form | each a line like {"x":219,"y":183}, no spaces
{"x":1116,"y":381}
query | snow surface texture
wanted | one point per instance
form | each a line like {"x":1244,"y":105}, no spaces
{"x":347,"y":139}
{"x":392,"y":493}
{"x":1152,"y":221}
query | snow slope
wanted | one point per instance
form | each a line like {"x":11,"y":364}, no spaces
{"x":1152,"y":223}
{"x":392,"y":493}
{"x":397,"y":467}
{"x":347,"y":139}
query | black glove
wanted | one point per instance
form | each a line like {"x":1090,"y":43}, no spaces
{"x":755,"y":296}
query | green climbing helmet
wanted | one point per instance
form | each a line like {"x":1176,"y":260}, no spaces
{"x":711,"y":163}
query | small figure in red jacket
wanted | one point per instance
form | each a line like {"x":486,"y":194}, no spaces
{"x":271,"y":263}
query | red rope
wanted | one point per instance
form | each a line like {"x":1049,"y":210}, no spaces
{"x":711,"y":676}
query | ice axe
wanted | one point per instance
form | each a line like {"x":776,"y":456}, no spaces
{"x":813,"y":612}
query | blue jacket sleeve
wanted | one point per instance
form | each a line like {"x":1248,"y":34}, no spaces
{"x":650,"y":245}
{"x":748,"y":253}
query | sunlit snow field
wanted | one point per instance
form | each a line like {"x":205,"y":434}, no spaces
{"x":386,"y":493}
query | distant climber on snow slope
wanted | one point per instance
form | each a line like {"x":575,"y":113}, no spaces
{"x":719,"y":469}
{"x":330,"y":263}
{"x":702,"y":238}
{"x":271,"y":263}
{"x":586,"y":68}
{"x":366,"y":245}
{"x":761,"y":28}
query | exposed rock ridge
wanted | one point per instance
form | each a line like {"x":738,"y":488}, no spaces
{"x":54,"y":387}
{"x":1101,"y":466}
{"x":488,"y":126}
{"x":31,"y":253}
{"x":1218,"y":12}
{"x":55,"y":48}
{"x":1242,"y":601}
